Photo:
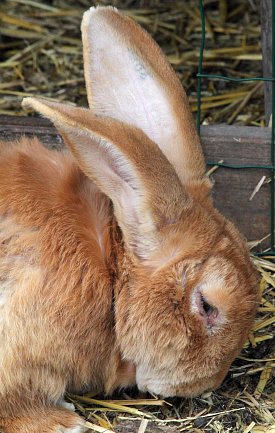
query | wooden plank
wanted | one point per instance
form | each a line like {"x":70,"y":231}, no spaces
{"x":12,"y":128}
{"x":266,"y":30}
{"x":232,"y":188}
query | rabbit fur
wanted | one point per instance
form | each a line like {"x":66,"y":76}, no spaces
{"x":115,"y":268}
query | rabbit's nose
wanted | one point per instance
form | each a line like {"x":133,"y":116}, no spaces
{"x":143,"y":386}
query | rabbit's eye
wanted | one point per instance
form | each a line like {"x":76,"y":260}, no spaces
{"x":206,"y":311}
{"x":207,"y":308}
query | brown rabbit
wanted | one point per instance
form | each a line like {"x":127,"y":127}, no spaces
{"x":115,"y":267}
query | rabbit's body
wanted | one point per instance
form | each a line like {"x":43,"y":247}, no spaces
{"x":64,"y":279}
{"x":115,"y":267}
{"x":58,"y":242}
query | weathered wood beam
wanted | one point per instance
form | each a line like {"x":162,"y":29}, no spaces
{"x":232,"y":187}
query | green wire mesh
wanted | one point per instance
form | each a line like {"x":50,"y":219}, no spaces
{"x":271,"y":167}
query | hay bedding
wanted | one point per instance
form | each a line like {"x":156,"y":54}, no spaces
{"x":40,"y":50}
{"x":40,"y":47}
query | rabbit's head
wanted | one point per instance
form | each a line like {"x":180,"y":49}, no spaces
{"x":183,"y":323}
{"x":189,"y":299}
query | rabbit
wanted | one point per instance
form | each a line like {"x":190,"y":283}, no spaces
{"x":116,"y":269}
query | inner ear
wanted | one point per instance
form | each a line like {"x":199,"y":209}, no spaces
{"x":128,"y":167}
{"x":128,"y":78}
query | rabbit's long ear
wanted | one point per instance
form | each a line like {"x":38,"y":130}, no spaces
{"x":127,"y":166}
{"x":128,"y":78}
